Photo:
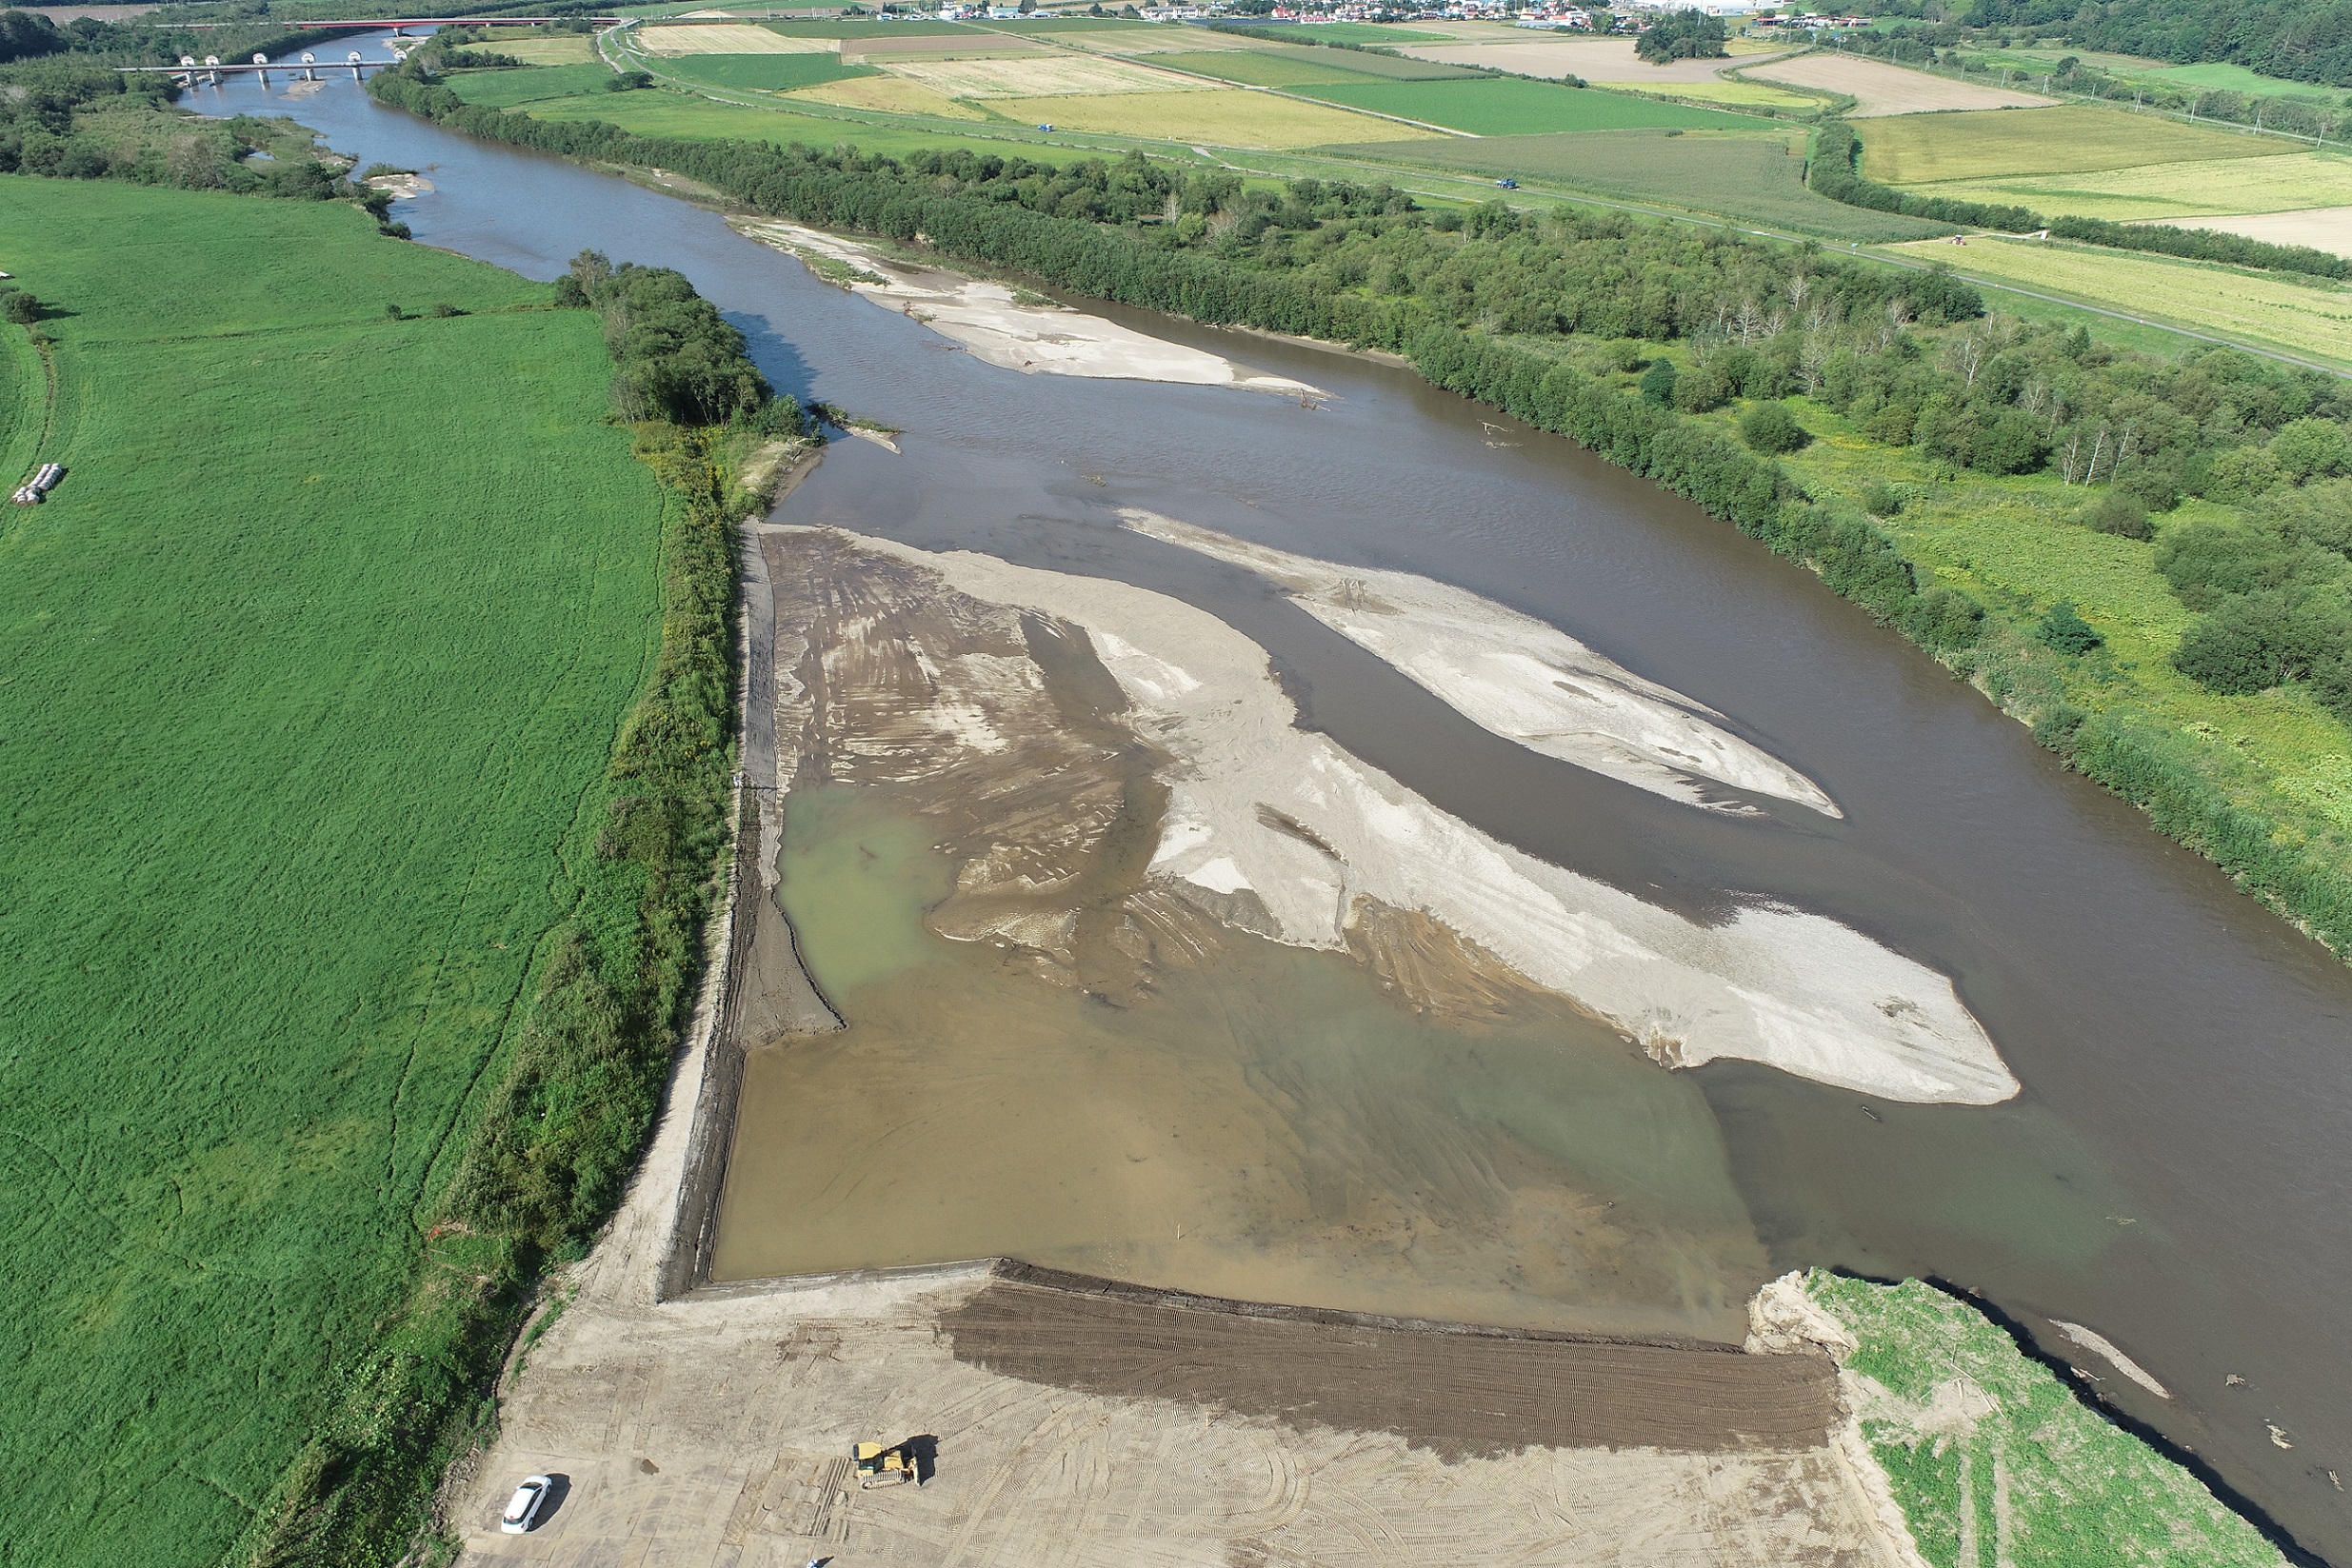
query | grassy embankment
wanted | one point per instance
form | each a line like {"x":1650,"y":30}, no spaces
{"x":1992,"y":1458}
{"x":316,"y":664}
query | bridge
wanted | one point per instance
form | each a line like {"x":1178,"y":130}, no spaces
{"x":188,"y":70}
{"x":398,"y":23}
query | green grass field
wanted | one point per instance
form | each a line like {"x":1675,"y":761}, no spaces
{"x":313,"y":665}
{"x":1359,"y":64}
{"x":1286,"y":68}
{"x":1511,"y":106}
{"x":765,"y":73}
{"x":1991,"y":143}
{"x":507,"y":88}
{"x":1759,"y":178}
{"x":2217,"y":76}
{"x":2029,"y":1477}
{"x":1376,"y":33}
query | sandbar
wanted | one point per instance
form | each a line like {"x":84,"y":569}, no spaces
{"x":1518,"y":677}
{"x":992,"y":321}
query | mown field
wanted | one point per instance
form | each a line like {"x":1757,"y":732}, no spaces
{"x":312,"y":667}
{"x":1227,"y":116}
{"x":1987,"y":143}
{"x":2308,"y":317}
{"x":1759,"y":178}
{"x":1511,"y":106}
{"x":1288,"y":68}
{"x":683,"y":114}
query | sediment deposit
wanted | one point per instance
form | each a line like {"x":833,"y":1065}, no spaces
{"x":1523,"y":678}
{"x":1282,"y":833}
{"x":995,"y":323}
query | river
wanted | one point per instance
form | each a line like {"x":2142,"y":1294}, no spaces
{"x":2174,"y":1174}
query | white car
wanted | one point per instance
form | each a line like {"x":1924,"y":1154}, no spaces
{"x":523,"y":1508}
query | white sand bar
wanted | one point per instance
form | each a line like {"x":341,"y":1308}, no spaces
{"x":1038,"y":339}
{"x":2100,"y":1345}
{"x":1522,"y":678}
{"x":1284,"y":833}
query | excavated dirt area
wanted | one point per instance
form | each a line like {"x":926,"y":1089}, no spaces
{"x":1063,"y":1427}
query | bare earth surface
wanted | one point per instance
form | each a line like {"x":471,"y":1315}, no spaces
{"x":2327,"y":228}
{"x":1890,"y":89}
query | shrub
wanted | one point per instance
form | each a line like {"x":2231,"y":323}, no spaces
{"x":2240,"y":474}
{"x":2311,"y":449}
{"x":2066,"y":631}
{"x":1658,"y":383}
{"x":2253,"y":641}
{"x":1881,"y":499}
{"x":1944,"y":620}
{"x":1770,"y":428}
{"x":2118,"y":512}
{"x":20,"y":308}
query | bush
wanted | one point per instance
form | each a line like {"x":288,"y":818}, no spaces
{"x":1770,"y":428}
{"x":1658,"y":383}
{"x":2253,"y":641}
{"x":2118,"y":512}
{"x":2066,"y":631}
{"x":1881,"y":499}
{"x":2311,"y":449}
{"x":20,"y":308}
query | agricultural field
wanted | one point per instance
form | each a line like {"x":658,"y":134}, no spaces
{"x":767,"y":73}
{"x":1993,"y":1458}
{"x":553,"y":49}
{"x":1380,"y":35}
{"x":888,"y":94}
{"x":1879,"y":90}
{"x":2308,"y":318}
{"x":510,"y":89}
{"x":1609,"y":60}
{"x":1227,"y":116}
{"x":1054,"y":76}
{"x":1937,"y":148}
{"x":2289,"y":182}
{"x":1757,"y":178}
{"x":1512,"y":106}
{"x":290,"y":813}
{"x":2327,"y":228}
{"x":700,"y":38}
{"x":1732,"y":95}
{"x":1260,"y":67}
{"x":685,"y":114}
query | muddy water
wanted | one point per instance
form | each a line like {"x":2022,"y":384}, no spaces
{"x":2177,"y":1173}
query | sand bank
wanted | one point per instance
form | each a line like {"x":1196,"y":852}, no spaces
{"x":990,"y":321}
{"x":1282,"y":832}
{"x":1521,"y":677}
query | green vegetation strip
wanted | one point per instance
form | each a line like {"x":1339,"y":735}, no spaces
{"x":1993,"y":1458}
{"x":765,"y":73}
{"x":314,"y":662}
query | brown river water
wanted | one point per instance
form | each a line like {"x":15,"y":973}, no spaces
{"x":2176,"y":1174}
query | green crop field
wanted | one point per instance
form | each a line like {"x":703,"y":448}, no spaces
{"x":2308,"y":317}
{"x":1286,"y":68}
{"x":1990,"y":143}
{"x":765,"y":73}
{"x":507,"y":88}
{"x":2017,"y":1469}
{"x":1759,"y":178}
{"x":1375,"y":33}
{"x":1511,"y":105}
{"x":312,"y":666}
{"x":2283,"y":184}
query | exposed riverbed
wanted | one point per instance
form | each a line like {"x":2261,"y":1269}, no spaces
{"x":2174,"y":1179}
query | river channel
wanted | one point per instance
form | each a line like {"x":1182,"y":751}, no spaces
{"x":2176,"y":1173}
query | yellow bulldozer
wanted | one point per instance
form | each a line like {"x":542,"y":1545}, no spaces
{"x":886,"y":1466}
